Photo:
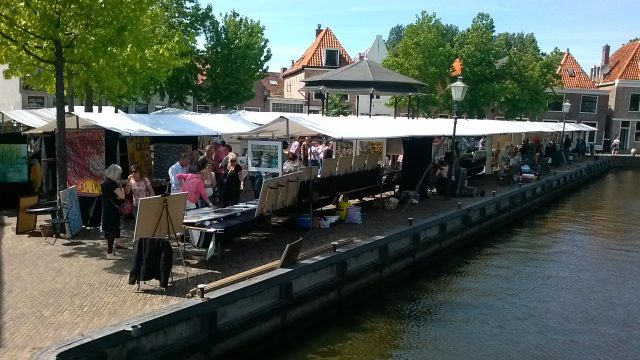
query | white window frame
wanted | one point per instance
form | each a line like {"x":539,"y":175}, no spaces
{"x":135,"y":107}
{"x":36,"y":97}
{"x":316,"y":93}
{"x":595,"y":111}
{"x":564,"y":98}
{"x":629,"y":108}
{"x":324,"y":57}
{"x":592,"y":133}
{"x":273,"y":82}
{"x":200,"y":108}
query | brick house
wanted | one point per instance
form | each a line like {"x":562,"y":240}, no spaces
{"x":589,"y":105}
{"x":325,"y":53}
{"x":619,"y":74}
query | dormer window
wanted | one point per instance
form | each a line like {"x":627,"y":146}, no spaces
{"x":273,"y":82}
{"x":331,"y":57}
{"x":571,"y":73}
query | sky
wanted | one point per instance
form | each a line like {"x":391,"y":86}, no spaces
{"x":582,"y":26}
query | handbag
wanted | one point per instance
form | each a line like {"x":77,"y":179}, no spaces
{"x":126,"y":208}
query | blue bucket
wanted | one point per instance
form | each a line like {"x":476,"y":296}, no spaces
{"x":303,"y":222}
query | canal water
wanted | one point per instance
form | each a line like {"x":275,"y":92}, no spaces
{"x":563,"y":283}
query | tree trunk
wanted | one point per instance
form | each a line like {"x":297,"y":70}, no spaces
{"x":88,"y":98}
{"x":70,"y":93}
{"x":61,"y":148}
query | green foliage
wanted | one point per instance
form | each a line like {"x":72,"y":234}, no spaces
{"x":338,"y":106}
{"x":424,"y":53}
{"x":235,"y":54}
{"x":395,"y":36}
{"x":476,"y":48}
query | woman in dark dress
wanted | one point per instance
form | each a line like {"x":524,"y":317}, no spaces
{"x":112,"y":196}
{"x":232,"y":183}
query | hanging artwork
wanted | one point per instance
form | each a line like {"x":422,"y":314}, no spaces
{"x":343,"y":148}
{"x":377,"y":147}
{"x":139,"y":152}
{"x":85,"y":160}
{"x":164,"y":156}
{"x":265,"y":156}
{"x":13,"y":163}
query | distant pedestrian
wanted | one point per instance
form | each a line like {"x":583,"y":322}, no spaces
{"x":615,"y":146}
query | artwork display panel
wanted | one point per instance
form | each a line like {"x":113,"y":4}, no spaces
{"x":164,"y":156}
{"x":14,"y":163}
{"x":70,"y":195}
{"x":85,"y":160}
{"x":139,"y":152}
{"x":265,"y":156}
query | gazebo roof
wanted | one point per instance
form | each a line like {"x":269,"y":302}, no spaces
{"x":363,"y":76}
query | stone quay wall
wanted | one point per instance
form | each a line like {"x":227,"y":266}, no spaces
{"x":238,"y":314}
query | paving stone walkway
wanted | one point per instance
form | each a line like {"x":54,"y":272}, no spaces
{"x":53,"y":292}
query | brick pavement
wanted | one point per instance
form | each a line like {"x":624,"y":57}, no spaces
{"x":53,"y":292}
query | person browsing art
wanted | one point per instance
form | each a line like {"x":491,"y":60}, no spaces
{"x":232,"y":181}
{"x":138,"y":186}
{"x":112,"y":197}
{"x":193,"y":185}
{"x":180,"y":167}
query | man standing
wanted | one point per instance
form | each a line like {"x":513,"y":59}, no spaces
{"x":180,"y":167}
{"x":209,"y":151}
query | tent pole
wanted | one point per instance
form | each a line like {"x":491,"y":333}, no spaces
{"x":357,"y":104}
{"x":2,"y":131}
{"x":77,"y":122}
{"x":287,"y":123}
{"x":370,"y":102}
{"x":409,"y":107}
{"x":395,"y":106}
{"x":414,"y":114}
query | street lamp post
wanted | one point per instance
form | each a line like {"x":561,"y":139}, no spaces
{"x":458,"y":91}
{"x":566,"y":107}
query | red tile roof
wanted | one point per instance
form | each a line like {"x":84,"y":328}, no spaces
{"x":572,"y":75}
{"x":313,"y":56}
{"x":624,"y":64}
{"x":276,"y":88}
{"x":456,"y":67}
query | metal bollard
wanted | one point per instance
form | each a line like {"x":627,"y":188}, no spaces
{"x":493,"y":193}
{"x":201,"y":290}
{"x":459,"y":205}
{"x":334,"y":246}
{"x":410,"y":220}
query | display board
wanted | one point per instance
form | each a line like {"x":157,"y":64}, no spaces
{"x":344,"y":148}
{"x":70,"y":195}
{"x":359,"y":162}
{"x":377,"y":146}
{"x":139,"y":152}
{"x":153,"y":221}
{"x":329,"y":167}
{"x":26,"y":222}
{"x":344,"y":165}
{"x":85,"y":160}
{"x":164,"y":156}
{"x":14,"y":165}
{"x":265,"y":156}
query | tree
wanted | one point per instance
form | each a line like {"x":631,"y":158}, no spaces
{"x":525,"y":75}
{"x":424,"y":53}
{"x":114,"y":45}
{"x":338,"y":106}
{"x":234,"y":57}
{"x":476,"y":48}
{"x":395,"y":36}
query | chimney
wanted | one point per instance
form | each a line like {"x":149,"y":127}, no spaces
{"x":318,"y":30}
{"x":282,"y":70}
{"x":605,"y":54}
{"x":292,"y":61}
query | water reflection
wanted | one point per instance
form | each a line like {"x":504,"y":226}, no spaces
{"x":560,"y":284}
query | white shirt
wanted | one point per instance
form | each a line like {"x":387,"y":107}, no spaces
{"x":174,"y":170}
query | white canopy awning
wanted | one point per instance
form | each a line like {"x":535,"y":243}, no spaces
{"x":351,"y":127}
{"x":156,"y":125}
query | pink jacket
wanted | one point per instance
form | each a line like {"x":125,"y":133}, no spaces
{"x":193,"y":186}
